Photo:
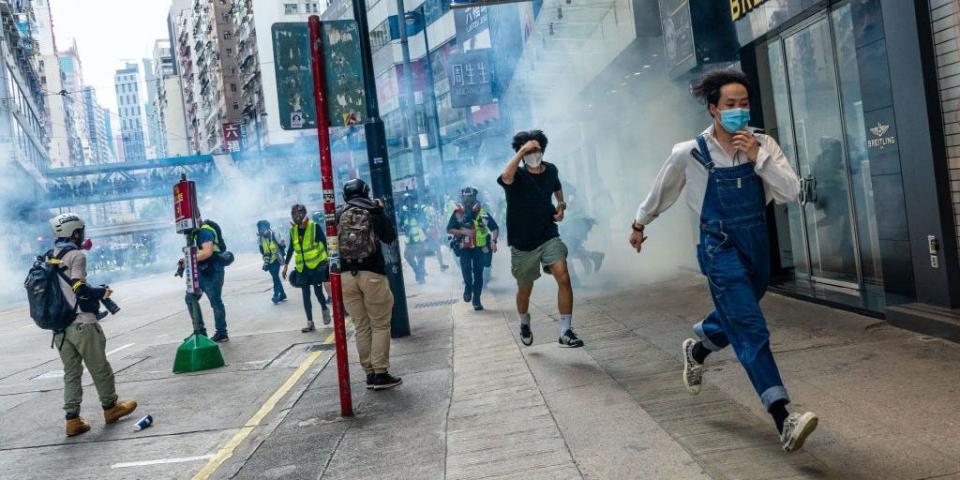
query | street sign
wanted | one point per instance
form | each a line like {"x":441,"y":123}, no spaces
{"x":471,"y":78}
{"x":231,"y":137}
{"x":343,"y":72}
{"x":291,"y":52}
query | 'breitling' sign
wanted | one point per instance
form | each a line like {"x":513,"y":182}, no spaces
{"x":879,"y":140}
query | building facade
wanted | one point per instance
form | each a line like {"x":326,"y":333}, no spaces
{"x":129,"y":106}
{"x":23,"y":153}
{"x":98,"y":128}
{"x":168,"y":104}
{"x":252,"y":20}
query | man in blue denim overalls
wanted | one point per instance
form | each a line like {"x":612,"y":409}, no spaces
{"x":730,"y":173}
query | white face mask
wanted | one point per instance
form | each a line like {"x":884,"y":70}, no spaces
{"x":533,"y":159}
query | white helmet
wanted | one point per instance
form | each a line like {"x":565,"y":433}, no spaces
{"x":65,"y":224}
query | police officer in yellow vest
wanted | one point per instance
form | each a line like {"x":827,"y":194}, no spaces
{"x":475,"y":238}
{"x":413,"y":226}
{"x":273,"y":256}
{"x":308,"y":247}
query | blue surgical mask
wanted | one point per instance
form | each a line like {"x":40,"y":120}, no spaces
{"x":734,"y":119}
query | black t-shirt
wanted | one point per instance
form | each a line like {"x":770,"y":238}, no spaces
{"x":529,"y":207}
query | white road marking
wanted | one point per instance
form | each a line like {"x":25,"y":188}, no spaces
{"x":115,"y":350}
{"x":50,"y":374}
{"x":160,"y":461}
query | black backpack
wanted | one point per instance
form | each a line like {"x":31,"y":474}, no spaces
{"x":49,"y":307}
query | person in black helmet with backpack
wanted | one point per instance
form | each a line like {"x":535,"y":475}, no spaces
{"x":363,"y":225}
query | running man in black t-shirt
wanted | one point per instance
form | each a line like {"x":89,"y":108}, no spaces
{"x":532,"y":230}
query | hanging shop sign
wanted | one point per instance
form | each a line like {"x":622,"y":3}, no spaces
{"x":471,"y":78}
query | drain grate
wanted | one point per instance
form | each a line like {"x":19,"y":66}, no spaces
{"x":441,"y":303}
{"x":320,"y":347}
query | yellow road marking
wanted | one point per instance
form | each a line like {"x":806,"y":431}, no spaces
{"x":227,"y":450}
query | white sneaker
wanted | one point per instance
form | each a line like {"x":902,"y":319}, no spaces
{"x":796,"y":428}
{"x":692,"y":371}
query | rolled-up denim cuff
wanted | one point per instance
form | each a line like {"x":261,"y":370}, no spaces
{"x":704,"y":339}
{"x":772,"y":395}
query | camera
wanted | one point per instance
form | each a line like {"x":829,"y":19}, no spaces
{"x":180,"y":269}
{"x":109,"y":304}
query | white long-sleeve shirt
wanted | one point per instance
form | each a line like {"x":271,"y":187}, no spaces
{"x":780,"y":181}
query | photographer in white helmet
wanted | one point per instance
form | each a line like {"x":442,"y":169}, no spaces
{"x":83,"y":342}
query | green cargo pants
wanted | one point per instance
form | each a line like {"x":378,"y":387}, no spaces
{"x":84,"y":344}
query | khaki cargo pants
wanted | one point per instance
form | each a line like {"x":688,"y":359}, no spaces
{"x":369,"y":300}
{"x":84,"y":344}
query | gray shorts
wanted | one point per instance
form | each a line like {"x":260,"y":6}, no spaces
{"x":526,"y":266}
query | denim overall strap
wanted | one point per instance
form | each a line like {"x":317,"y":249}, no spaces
{"x":702,"y":154}
{"x":734,"y":255}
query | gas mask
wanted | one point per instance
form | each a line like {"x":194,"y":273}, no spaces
{"x":533,"y":159}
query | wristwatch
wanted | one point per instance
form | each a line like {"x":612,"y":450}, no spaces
{"x":635,"y":228}
{"x":562,"y":205}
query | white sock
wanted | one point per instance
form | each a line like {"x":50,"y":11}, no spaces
{"x":565,"y":323}
{"x":525,"y":319}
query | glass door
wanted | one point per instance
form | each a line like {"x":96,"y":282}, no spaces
{"x":811,"y":128}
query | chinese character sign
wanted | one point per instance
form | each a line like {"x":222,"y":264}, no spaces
{"x":471,"y":78}
{"x":291,"y":51}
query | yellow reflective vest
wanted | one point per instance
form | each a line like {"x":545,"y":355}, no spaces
{"x":270,"y":249}
{"x":307,"y":251}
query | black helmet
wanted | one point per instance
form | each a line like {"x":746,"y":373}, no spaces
{"x":354,"y":188}
{"x":263,"y":226}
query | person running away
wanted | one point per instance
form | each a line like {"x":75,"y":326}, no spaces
{"x":532,"y":231}
{"x":729,"y":173}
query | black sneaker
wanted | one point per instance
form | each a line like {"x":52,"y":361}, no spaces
{"x":220,"y":337}
{"x":526,"y":334}
{"x":275,"y":300}
{"x":383,"y":381}
{"x":478,"y":306}
{"x":467,"y":295}
{"x":370,"y":381}
{"x":570,"y":340}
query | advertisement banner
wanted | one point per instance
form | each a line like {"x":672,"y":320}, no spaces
{"x":184,"y":206}
{"x":469,"y":22}
{"x":471,"y":78}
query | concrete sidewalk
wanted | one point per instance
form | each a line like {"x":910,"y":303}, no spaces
{"x":476,"y":404}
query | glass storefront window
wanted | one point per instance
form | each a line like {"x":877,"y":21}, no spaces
{"x":813,"y":104}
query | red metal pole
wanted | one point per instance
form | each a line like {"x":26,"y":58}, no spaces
{"x":329,"y":209}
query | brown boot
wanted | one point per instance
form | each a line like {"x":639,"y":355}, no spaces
{"x":119,"y":410}
{"x":76,"y":426}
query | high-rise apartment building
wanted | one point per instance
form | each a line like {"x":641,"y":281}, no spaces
{"x":168,"y":104}
{"x":98,"y":132}
{"x":127,"y":83}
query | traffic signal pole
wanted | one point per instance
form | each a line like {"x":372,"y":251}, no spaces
{"x":380,"y":174}
{"x":329,"y":210}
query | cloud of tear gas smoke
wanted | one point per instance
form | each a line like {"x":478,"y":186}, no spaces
{"x":609,"y":143}
{"x":16,"y":252}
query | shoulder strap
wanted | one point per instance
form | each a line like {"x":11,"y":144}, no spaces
{"x":702,"y":153}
